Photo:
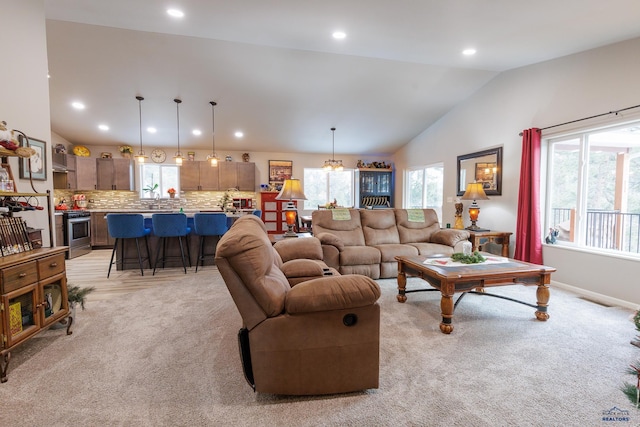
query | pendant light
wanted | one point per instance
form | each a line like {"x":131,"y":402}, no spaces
{"x":140,"y":156}
{"x":178,"y":155}
{"x":213,"y":159}
{"x":333,"y":164}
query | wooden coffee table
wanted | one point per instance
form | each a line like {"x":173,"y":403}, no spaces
{"x":449,"y":278}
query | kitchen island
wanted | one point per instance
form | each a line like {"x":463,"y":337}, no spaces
{"x":173,"y":248}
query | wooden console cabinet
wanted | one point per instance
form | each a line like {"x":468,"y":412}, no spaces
{"x":33,"y":296}
{"x":273,"y":212}
{"x":480,"y":238}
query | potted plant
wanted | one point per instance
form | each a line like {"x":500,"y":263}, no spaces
{"x":126,"y":151}
{"x":172,"y":192}
{"x":151,"y":189}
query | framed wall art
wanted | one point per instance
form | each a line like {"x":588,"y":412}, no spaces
{"x":38,"y":160}
{"x":279,"y":170}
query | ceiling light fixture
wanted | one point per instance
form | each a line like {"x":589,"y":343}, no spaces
{"x":339,"y":35}
{"x":175,"y":13}
{"x":78,"y":105}
{"x":469,"y":52}
{"x":239,"y":134}
{"x":140,"y":156}
{"x":333,"y":164}
{"x":213,"y":159}
{"x":151,"y":129}
{"x":103,"y":127}
{"x":196,"y":132}
{"x":178,"y":155}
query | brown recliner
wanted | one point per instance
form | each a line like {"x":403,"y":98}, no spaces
{"x":320,"y":336}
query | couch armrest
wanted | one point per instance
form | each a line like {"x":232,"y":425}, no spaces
{"x":303,"y":268}
{"x":449,"y":236}
{"x":331,"y":293}
{"x":331,"y":239}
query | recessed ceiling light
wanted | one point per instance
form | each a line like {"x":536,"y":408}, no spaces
{"x":339,"y":35}
{"x":175,"y":13}
{"x":151,"y":129}
{"x":103,"y":127}
{"x":196,"y":132}
{"x":78,"y":105}
{"x":468,"y":52}
{"x":239,"y":134}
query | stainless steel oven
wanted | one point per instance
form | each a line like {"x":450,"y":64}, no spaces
{"x":77,"y":232}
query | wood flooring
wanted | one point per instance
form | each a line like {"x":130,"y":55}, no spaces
{"x":91,"y":270}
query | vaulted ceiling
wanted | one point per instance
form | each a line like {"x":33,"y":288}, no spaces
{"x":280,"y":77}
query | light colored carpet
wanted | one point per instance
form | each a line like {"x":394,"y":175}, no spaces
{"x":167,"y":356}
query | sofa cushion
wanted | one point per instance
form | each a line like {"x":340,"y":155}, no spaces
{"x":379,"y":227}
{"x":416,"y":225}
{"x":349,"y":230}
{"x":249,"y":252}
{"x":359,"y":255}
{"x":388,"y":253}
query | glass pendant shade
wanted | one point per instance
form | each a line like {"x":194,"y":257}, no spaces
{"x":213,"y":159}
{"x":178,"y":155}
{"x":140,"y":156}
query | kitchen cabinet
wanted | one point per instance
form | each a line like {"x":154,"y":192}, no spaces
{"x":199,"y":175}
{"x":33,"y":296}
{"x":375,"y":188}
{"x":86,"y":173}
{"x":240,"y":175}
{"x":80,"y":173}
{"x":114,"y":174}
{"x":100,"y":232}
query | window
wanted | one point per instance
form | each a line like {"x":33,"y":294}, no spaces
{"x":424,"y":188}
{"x":593,"y":188}
{"x":322,"y":187}
{"x":162,"y":176}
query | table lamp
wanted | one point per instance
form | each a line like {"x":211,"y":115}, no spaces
{"x":474,"y":192}
{"x":291,"y":189}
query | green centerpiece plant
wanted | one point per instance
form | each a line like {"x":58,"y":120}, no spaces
{"x":474,"y":258}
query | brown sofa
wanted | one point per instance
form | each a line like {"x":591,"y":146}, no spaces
{"x":366,"y":241}
{"x":320,"y":336}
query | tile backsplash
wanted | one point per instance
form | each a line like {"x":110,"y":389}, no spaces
{"x":131,"y":200}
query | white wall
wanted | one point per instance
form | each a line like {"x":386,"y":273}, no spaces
{"x":545,"y":94}
{"x":25,"y":87}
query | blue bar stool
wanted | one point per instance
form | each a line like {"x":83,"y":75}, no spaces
{"x":128,"y":226}
{"x":258,"y":213}
{"x":208,"y":224}
{"x":167,"y":225}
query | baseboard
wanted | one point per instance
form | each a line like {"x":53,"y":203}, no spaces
{"x":596,"y":297}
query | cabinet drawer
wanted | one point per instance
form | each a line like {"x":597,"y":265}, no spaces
{"x":51,"y":265}
{"x":21,"y":275}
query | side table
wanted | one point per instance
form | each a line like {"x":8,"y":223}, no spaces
{"x":480,"y":238}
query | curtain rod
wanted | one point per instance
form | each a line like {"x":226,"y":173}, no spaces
{"x":586,"y":118}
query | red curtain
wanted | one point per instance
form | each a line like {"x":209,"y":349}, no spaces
{"x":528,"y":245}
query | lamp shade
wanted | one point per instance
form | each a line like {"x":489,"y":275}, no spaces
{"x":474,"y":192}
{"x":292,"y":189}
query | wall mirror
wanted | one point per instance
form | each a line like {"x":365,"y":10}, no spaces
{"x":483,"y":166}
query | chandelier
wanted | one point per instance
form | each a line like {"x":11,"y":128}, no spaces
{"x":333,"y":164}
